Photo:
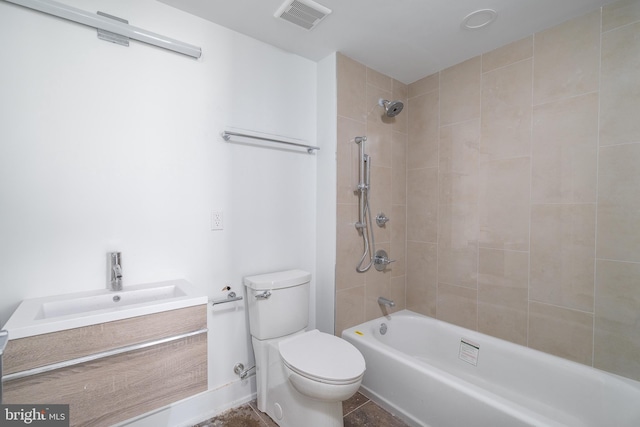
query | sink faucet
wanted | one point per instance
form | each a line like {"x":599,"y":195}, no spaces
{"x":115,"y":271}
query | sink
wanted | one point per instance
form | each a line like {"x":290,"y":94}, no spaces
{"x":107,"y":301}
{"x":55,"y":313}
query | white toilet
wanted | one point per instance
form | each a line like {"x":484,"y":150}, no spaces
{"x":302,"y":377}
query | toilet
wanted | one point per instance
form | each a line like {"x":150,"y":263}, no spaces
{"x":302,"y":376}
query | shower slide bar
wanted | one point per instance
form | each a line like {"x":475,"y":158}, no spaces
{"x":226,"y":135}
{"x":97,"y":356}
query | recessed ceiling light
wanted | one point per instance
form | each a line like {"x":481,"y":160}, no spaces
{"x":479,"y":19}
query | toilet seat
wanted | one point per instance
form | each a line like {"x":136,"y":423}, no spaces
{"x":322,"y":357}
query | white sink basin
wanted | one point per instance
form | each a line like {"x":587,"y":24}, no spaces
{"x":50,"y":314}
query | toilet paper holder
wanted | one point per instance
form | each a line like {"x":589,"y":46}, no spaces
{"x":231,"y":296}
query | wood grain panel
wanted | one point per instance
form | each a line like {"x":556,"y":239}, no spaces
{"x":40,"y":350}
{"x":110,"y":390}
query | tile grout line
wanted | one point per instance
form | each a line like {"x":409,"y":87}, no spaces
{"x":356,"y":408}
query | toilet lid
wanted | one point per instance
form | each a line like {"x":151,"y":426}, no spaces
{"x":322,"y":356}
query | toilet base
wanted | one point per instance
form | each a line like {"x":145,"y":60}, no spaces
{"x":281,"y":401}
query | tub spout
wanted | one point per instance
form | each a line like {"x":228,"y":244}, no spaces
{"x":385,"y":301}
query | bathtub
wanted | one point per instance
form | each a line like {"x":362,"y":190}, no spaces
{"x":431,"y":373}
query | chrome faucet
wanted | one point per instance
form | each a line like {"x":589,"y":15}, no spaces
{"x":384,"y":301}
{"x":115,"y":271}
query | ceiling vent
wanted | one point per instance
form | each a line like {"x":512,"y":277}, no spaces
{"x":303,"y":13}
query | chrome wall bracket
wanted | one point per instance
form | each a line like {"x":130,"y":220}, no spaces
{"x":113,"y":37}
{"x":239,"y":370}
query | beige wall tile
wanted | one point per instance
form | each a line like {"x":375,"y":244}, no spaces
{"x":507,"y":55}
{"x":423,"y":131}
{"x":617,"y":336}
{"x":398,"y":225}
{"x":347,"y":158}
{"x":618,"y":203}
{"x":506,"y":112}
{"x":378,"y":283}
{"x":349,"y":308}
{"x":565,"y":151}
{"x":351,"y":88}
{"x":504,"y":204}
{"x":460,"y":92}
{"x":380,"y":200}
{"x":563,"y":255}
{"x":400,"y":90}
{"x":379,"y":143}
{"x":424,"y":85}
{"x":399,"y":168}
{"x":458,"y":305}
{"x":561,"y":331}
{"x":349,"y":248}
{"x":618,"y":234}
{"x":359,"y":114}
{"x":459,"y":162}
{"x":458,"y":245}
{"x":502,"y":294}
{"x":619,"y":94}
{"x":401,"y":121}
{"x":422,"y":204}
{"x":398,"y":292}
{"x":376,"y":113}
{"x":422,"y":285}
{"x":620,"y":13}
{"x":378,"y":79}
{"x":567,"y":59}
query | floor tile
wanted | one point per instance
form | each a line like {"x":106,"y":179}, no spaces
{"x":359,"y":412}
{"x":369,"y":415}
{"x":353,"y":403}
{"x":242,"y":416}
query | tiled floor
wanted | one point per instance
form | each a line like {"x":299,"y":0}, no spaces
{"x":358,"y":412}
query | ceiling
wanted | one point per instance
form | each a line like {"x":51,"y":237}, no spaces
{"x":404,"y":39}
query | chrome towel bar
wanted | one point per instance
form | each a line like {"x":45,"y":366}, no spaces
{"x":230,"y":297}
{"x":226,"y":135}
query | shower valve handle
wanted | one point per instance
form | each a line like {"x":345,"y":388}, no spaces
{"x":381,"y":260}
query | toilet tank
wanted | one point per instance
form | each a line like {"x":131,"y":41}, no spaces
{"x":285,"y":311}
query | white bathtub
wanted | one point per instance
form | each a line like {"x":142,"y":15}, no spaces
{"x":431,"y":373}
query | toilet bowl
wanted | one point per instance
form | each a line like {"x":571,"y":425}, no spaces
{"x":302,"y":377}
{"x":322,"y":366}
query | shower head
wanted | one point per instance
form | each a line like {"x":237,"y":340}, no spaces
{"x":391,"y":108}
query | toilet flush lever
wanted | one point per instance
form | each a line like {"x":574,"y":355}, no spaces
{"x":263,"y":295}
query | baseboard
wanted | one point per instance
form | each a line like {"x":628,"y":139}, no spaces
{"x":198,"y":408}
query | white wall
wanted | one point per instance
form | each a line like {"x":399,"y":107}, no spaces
{"x":104,"y":147}
{"x":327,"y":193}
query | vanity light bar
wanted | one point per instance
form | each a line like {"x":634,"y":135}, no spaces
{"x":103,"y":23}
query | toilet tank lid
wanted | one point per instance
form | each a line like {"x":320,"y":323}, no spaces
{"x":277,"y":280}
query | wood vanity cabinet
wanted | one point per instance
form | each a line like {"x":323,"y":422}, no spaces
{"x":170,"y":366}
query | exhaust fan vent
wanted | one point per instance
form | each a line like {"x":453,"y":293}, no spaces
{"x":303,"y":13}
